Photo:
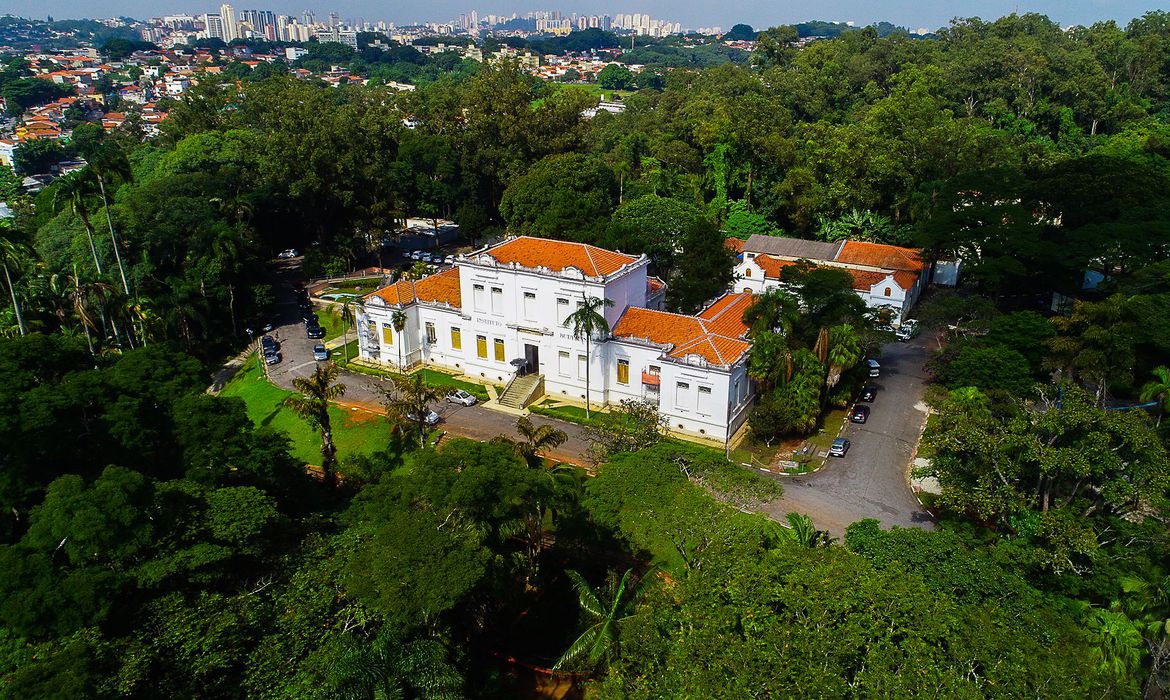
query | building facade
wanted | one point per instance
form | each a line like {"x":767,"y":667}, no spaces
{"x":886,"y":277}
{"x":502,"y":310}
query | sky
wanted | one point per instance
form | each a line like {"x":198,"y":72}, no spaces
{"x":691,"y":13}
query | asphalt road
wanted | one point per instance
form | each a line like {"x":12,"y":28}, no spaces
{"x":872,"y":480}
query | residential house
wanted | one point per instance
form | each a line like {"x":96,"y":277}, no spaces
{"x":886,"y":277}
{"x":500,"y":313}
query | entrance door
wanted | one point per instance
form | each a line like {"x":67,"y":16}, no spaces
{"x":532,"y":358}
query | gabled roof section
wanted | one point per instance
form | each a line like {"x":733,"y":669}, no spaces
{"x":442,"y":288}
{"x":725,"y":315}
{"x":530,"y":252}
{"x":888,"y":257}
{"x":682,"y":336}
{"x":791,"y":247}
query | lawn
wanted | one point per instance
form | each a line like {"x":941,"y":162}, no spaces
{"x":432,"y":377}
{"x":573,"y":414}
{"x":354,"y":432}
{"x":331,"y":322}
{"x":361,"y":286}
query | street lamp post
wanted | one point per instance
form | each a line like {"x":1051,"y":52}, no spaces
{"x":251,"y":343}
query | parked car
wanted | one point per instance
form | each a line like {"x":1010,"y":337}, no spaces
{"x":314,"y":332}
{"x":450,"y":259}
{"x":267,"y":327}
{"x":860,"y":414}
{"x":269,"y":344}
{"x":288,"y":254}
{"x":907,"y":330}
{"x":407,"y":254}
{"x":875,"y":369}
{"x":272,"y":358}
{"x":416,"y":255}
{"x":462,"y":398}
{"x":430,"y":418}
{"x":426,"y":257}
{"x":320,"y":354}
{"x":868,"y":394}
{"x":839,"y":448}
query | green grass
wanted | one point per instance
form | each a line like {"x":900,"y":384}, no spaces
{"x":361,"y":286}
{"x":591,"y":88}
{"x":573,"y":414}
{"x":331,"y":322}
{"x":354,"y":432}
{"x":432,"y":377}
{"x":823,"y":440}
{"x":924,"y":450}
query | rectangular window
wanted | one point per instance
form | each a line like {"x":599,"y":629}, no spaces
{"x":704,"y":405}
{"x":653,"y":370}
{"x":387,"y":334}
{"x":582,"y":364}
{"x":563,"y":363}
{"x":372,"y":332}
{"x":430,"y":333}
{"x":499,"y":350}
{"x":530,"y":305}
{"x":478,"y":297}
{"x":456,"y":338}
{"x":563,"y":311}
{"x":682,"y":395}
{"x":497,"y":300}
{"x":481,"y":346}
{"x":623,"y":372}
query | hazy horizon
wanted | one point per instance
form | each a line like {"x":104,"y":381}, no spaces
{"x":909,"y":13}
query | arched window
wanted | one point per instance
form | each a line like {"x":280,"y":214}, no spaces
{"x":887,"y":291}
{"x":747,"y":273}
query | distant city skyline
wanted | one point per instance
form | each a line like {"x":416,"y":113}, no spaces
{"x":759,"y":13}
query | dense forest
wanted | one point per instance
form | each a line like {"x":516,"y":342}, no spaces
{"x":156,"y":543}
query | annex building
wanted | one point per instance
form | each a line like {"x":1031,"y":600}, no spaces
{"x":499,"y":315}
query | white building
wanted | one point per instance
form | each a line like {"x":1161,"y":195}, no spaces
{"x":884,"y":276}
{"x":505,"y":306}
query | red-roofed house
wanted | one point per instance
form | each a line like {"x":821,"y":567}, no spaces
{"x":884,"y":276}
{"x":504,"y":306}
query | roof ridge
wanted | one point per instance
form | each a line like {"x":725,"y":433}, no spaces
{"x":589,"y":254}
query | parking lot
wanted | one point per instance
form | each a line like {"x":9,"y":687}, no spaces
{"x":871,"y":481}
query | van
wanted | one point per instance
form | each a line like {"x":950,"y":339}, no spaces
{"x":875,"y":369}
{"x":907,"y":330}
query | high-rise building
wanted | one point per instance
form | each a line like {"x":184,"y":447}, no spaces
{"x":334,"y":20}
{"x":231,"y":24}
{"x":213,"y":27}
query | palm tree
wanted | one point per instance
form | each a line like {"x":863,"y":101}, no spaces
{"x":349,"y":310}
{"x":606,"y":607}
{"x":398,"y":321}
{"x":803,"y":533}
{"x":312,"y":404}
{"x":410,"y":403}
{"x":537,"y":438}
{"x":70,"y":193}
{"x":844,"y":351}
{"x":1158,"y":389}
{"x":587,"y":322}
{"x":775,"y":310}
{"x":109,"y":168}
{"x":12,"y":254}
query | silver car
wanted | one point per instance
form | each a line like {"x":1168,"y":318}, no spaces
{"x":839,"y":448}
{"x":320,"y":354}
{"x":462,"y":398}
{"x":430,"y":418}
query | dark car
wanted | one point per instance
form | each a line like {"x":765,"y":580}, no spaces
{"x":314,"y":332}
{"x":868,"y":394}
{"x":860,"y":414}
{"x":268,"y":344}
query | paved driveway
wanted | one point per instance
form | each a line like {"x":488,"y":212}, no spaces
{"x":872,"y":480}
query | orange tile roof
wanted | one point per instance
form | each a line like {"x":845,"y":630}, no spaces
{"x":442,"y":287}
{"x":906,"y":279}
{"x":530,"y":252}
{"x":772,"y":266}
{"x":654,"y":284}
{"x":725,"y":316}
{"x":863,"y":280}
{"x":734,"y":244}
{"x":888,"y":257}
{"x":866,"y":279}
{"x":682,"y":335}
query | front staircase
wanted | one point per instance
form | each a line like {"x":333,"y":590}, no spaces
{"x":521,"y":391}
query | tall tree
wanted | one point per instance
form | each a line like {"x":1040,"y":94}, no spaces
{"x":312,"y":404}
{"x":410,"y":402}
{"x":606,"y":607}
{"x":588,"y":322}
{"x":1158,"y":389}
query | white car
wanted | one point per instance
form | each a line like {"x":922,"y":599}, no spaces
{"x":907,"y":330}
{"x":430,"y":418}
{"x":416,"y":255}
{"x":288,"y":254}
{"x":462,"y":398}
